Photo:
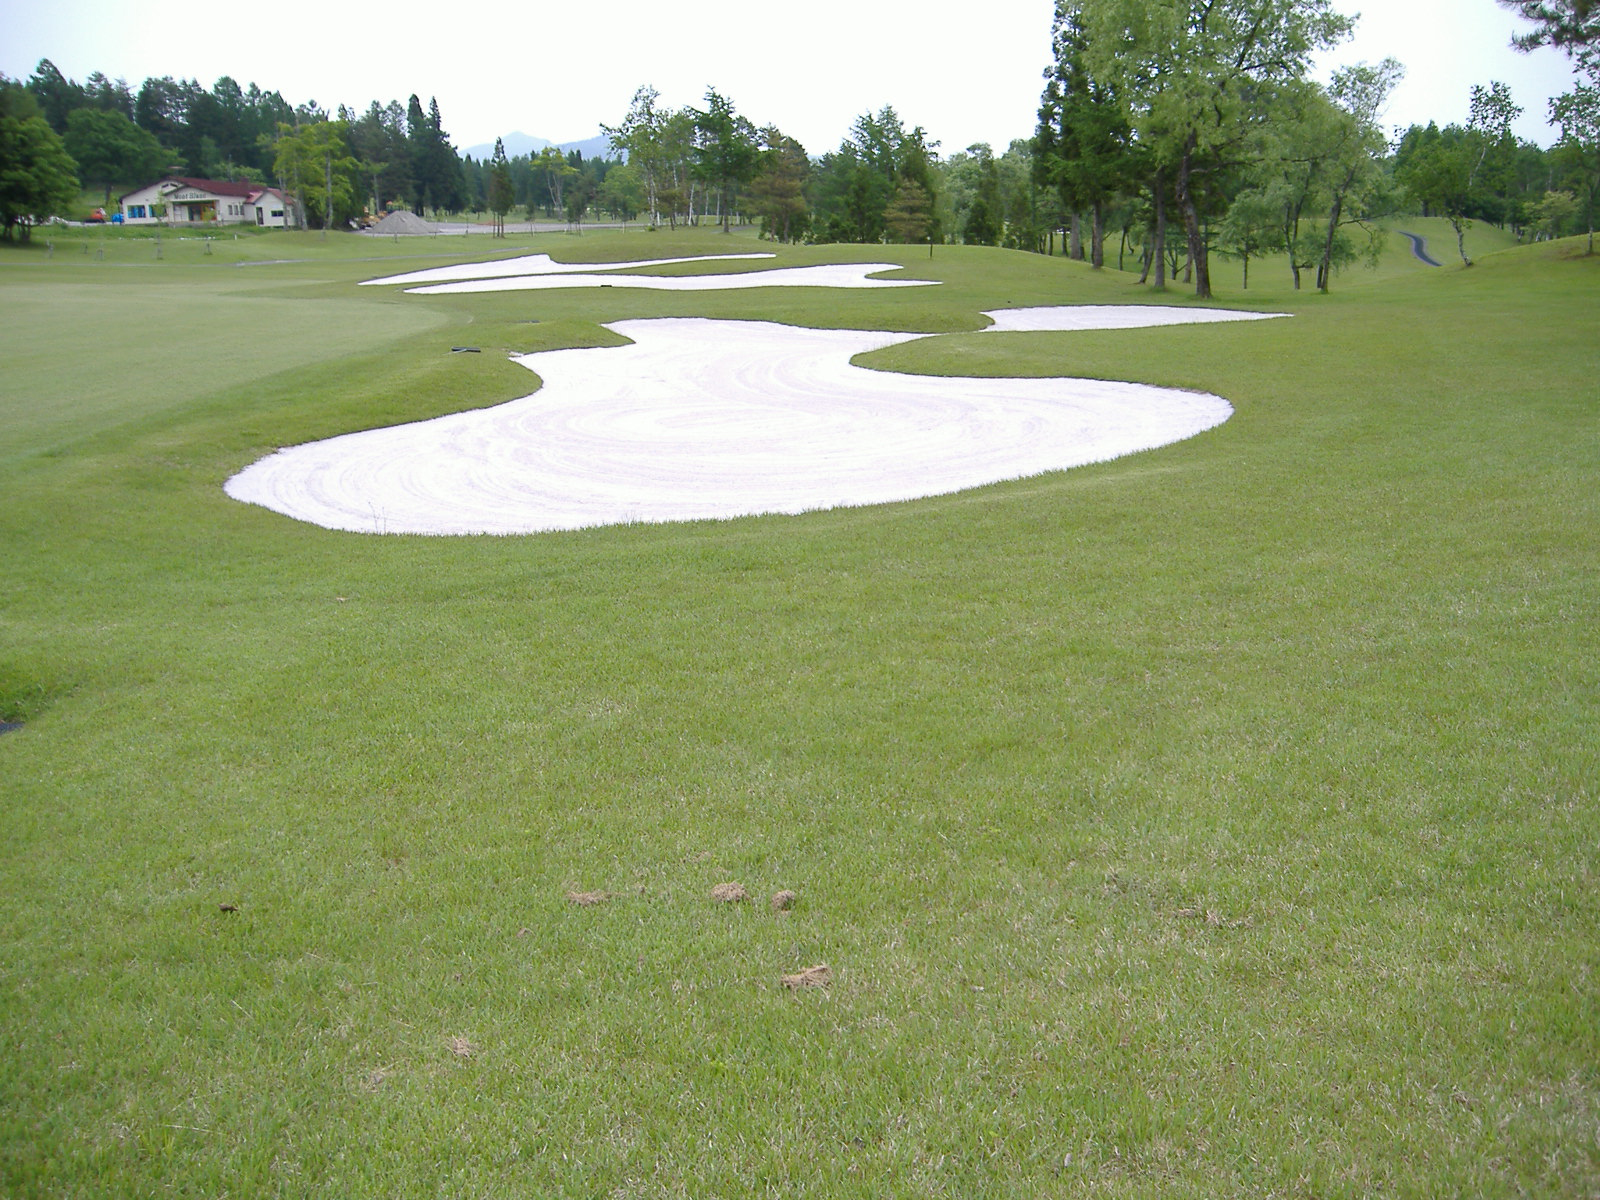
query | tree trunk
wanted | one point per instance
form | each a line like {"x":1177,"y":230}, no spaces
{"x":1325,"y":267}
{"x":1191,"y":224}
{"x":1097,"y":236}
{"x":1074,"y":245}
{"x":1159,"y":247}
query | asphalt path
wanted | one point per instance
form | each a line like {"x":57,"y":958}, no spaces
{"x":1419,"y":247}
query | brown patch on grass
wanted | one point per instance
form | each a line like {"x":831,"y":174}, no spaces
{"x":1213,"y":918}
{"x":729,"y":893}
{"x":587,"y":899}
{"x":820,"y":975}
{"x":783,"y":901}
{"x":461,"y":1047}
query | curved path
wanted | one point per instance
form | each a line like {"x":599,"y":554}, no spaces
{"x":1419,"y":247}
{"x":702,"y":418}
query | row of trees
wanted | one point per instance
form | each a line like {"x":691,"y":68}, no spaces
{"x":1182,"y":127}
{"x":117,"y":136}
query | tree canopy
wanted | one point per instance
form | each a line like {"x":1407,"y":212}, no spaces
{"x":37,"y":176}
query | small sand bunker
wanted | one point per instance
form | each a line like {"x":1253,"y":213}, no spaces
{"x":1071,"y":317}
{"x":703,"y":418}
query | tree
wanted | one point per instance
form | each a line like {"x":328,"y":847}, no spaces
{"x":557,"y":170}
{"x":1081,"y":145}
{"x":778,"y":189}
{"x":853,"y":188}
{"x":57,"y":95}
{"x":725,"y":153}
{"x":1252,"y":226}
{"x":1192,"y":73}
{"x":1359,"y":95}
{"x":378,"y":139}
{"x":1551,"y":214}
{"x":435,"y":169}
{"x":910,"y":217}
{"x":982,"y":226}
{"x":319,"y":154}
{"x":111,"y":149}
{"x":1570,"y":25}
{"x":500,"y":195}
{"x":113,"y":96}
{"x":37,"y":178}
{"x":1577,"y":114}
{"x":622,"y":192}
{"x":640,"y":135}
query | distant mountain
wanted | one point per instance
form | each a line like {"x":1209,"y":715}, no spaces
{"x":524,"y":143}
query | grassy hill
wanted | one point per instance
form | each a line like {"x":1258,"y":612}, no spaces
{"x":1220,"y":820}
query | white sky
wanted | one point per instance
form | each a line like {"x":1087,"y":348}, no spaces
{"x":556,"y":71}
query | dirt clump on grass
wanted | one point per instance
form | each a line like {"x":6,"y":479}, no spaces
{"x":783,"y":901}
{"x":820,"y":975}
{"x":587,"y":899}
{"x":729,"y":893}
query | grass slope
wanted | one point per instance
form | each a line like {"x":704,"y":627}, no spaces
{"x":1216,"y":821}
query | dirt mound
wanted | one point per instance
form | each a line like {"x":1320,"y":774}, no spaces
{"x":403,"y":223}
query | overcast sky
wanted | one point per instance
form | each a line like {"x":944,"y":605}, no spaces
{"x":556,"y":71}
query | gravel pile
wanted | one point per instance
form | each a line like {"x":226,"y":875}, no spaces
{"x":403,"y":223}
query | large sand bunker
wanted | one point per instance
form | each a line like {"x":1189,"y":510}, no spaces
{"x":828,"y":275}
{"x":712,"y":419}
{"x":539,"y":264}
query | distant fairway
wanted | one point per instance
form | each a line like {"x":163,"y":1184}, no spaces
{"x":1220,"y":820}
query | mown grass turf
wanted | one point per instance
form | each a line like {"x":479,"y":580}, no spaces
{"x":1216,"y":821}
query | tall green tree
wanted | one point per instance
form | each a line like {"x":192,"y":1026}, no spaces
{"x":111,"y":95}
{"x":1081,"y":145}
{"x":554,"y":168}
{"x":777,"y":191}
{"x":1359,"y":95}
{"x":983,"y":223}
{"x":37,"y":176}
{"x":58,"y":97}
{"x":315,"y":163}
{"x":641,"y":136}
{"x":853,"y":187}
{"x":1192,"y":73}
{"x":501,"y":194}
{"x":725,"y":151}
{"x":435,"y":169}
{"x":622,"y":192}
{"x":110,"y":149}
{"x":378,"y":139}
{"x":1577,"y":115}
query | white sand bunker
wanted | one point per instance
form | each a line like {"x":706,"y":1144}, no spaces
{"x":828,"y":275}
{"x":539,"y":264}
{"x":713,"y":419}
{"x":1110,"y":316}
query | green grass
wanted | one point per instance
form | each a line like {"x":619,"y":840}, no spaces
{"x":1221,"y":820}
